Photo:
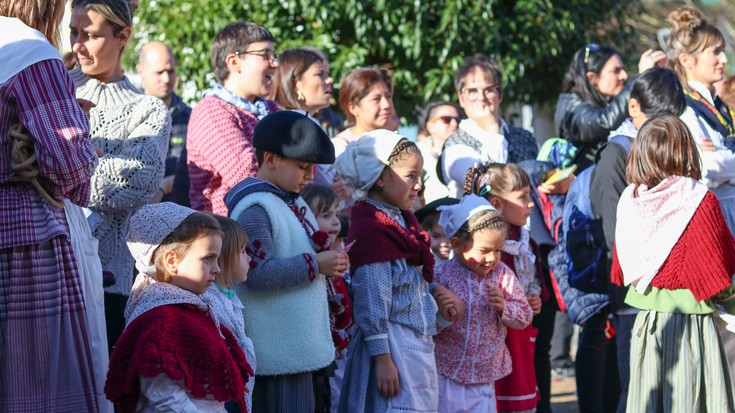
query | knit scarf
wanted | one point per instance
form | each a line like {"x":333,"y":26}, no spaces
{"x":380,"y":238}
{"x":258,"y":108}
{"x":518,"y":245}
{"x":182,"y":342}
{"x":649,"y":224}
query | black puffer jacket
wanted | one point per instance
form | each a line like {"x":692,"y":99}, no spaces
{"x":588,"y":127}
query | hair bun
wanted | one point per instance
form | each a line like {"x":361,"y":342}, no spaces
{"x":687,"y":18}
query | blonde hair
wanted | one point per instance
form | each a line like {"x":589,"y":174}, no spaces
{"x":42,"y":15}
{"x":234,"y":240}
{"x":193,"y":227}
{"x":692,"y":33}
{"x":117,"y":12}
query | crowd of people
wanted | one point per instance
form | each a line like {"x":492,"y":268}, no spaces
{"x":264,"y":253}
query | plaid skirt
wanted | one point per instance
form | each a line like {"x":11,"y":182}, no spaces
{"x":678,"y":364}
{"x":45,"y":358}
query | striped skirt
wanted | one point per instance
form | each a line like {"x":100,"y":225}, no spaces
{"x":45,"y":360}
{"x":677,"y":364}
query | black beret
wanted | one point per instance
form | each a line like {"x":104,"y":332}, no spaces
{"x":432,"y":206}
{"x":293,"y":135}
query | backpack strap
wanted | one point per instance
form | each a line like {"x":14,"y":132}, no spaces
{"x":624,"y":141}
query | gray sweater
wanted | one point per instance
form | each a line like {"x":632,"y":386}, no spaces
{"x":133,"y":131}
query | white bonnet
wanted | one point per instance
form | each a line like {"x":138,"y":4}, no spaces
{"x":149,"y":226}
{"x":454,"y":216}
{"x":364,"y":159}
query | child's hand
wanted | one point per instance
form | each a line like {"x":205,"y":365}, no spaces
{"x":451,"y":307}
{"x":535,"y":302}
{"x":342,"y":190}
{"x":334,"y":263}
{"x":387,"y":375}
{"x":496,"y":298}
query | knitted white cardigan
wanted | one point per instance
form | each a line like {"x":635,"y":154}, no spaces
{"x":133,"y":131}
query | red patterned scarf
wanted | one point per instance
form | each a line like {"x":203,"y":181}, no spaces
{"x":380,"y":238}
{"x":182,"y":342}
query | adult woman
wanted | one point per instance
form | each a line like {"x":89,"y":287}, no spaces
{"x":45,"y":362}
{"x":131,"y":129}
{"x":594,"y":99}
{"x":594,"y":103}
{"x":438,"y":120}
{"x":302,"y":81}
{"x":697,"y":55}
{"x":366,"y":99}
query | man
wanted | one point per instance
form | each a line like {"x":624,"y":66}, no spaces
{"x":220,"y":139}
{"x":157,"y":69}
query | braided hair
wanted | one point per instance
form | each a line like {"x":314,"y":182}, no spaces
{"x":486,"y":219}
{"x":495,"y":179}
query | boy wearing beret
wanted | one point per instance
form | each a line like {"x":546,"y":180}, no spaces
{"x":219,"y":141}
{"x":285,"y":296}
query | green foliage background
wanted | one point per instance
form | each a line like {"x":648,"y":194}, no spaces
{"x":423,"y":41}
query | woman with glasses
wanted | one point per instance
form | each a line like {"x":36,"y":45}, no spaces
{"x":594,"y":99}
{"x":219,"y":140}
{"x":438,"y":120}
{"x":132,"y":131}
{"x":484,"y":136}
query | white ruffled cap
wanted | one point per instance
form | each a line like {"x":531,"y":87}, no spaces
{"x":454,"y":216}
{"x":149,"y":227}
{"x":361,"y":164}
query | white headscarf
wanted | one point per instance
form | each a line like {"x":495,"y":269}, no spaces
{"x":361,"y":164}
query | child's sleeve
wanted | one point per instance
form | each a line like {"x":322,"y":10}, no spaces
{"x":268,"y":272}
{"x":372,"y":287}
{"x":517,"y":312}
{"x":165,"y":395}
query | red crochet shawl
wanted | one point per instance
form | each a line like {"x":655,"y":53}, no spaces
{"x":182,"y":342}
{"x":702,"y":260}
{"x":380,"y":238}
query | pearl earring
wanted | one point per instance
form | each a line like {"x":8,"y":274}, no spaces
{"x":299,"y":95}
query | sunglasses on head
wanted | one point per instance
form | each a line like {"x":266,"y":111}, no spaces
{"x":592,"y":47}
{"x":446,"y":119}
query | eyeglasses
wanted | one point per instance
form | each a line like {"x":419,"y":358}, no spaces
{"x":445,"y":119}
{"x":474,"y":93}
{"x":592,"y":47}
{"x":269,"y":54}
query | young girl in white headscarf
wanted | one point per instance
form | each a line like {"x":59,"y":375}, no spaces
{"x":391,"y":358}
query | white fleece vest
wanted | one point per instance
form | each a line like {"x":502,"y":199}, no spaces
{"x":289,"y":329}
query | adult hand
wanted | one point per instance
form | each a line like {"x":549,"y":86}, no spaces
{"x":342,"y":190}
{"x":706,"y":144}
{"x":482,"y":114}
{"x":86,"y":105}
{"x":561,"y":187}
{"x":651,"y":58}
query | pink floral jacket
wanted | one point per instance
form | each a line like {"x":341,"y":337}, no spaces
{"x":473,"y":350}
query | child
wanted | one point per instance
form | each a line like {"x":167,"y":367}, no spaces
{"x":655,"y":92}
{"x":174,"y":354}
{"x":287,"y":314}
{"x":673,"y":247}
{"x":471,"y":354}
{"x":508,"y":189}
{"x":391,"y":358}
{"x":234,"y":263}
{"x":428,"y":216}
{"x":324,"y":203}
